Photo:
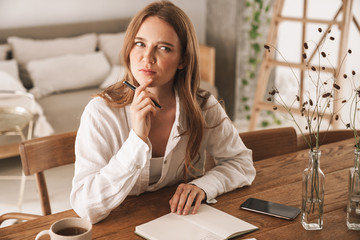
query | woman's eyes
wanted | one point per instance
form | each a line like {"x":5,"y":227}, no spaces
{"x":164,"y":48}
{"x":167,"y":49}
{"x":140,"y":44}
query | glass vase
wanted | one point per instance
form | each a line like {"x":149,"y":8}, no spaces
{"x":313,"y":188}
{"x":353,"y":205}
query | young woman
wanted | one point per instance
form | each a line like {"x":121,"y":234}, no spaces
{"x":126,"y":145}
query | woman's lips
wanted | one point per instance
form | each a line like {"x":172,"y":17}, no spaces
{"x":147,"y":71}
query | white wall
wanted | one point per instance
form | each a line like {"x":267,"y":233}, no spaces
{"x":22,"y":13}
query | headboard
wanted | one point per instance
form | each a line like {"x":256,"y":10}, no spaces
{"x":66,"y":29}
{"x":207,"y":53}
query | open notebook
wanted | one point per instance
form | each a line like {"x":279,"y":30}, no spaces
{"x":208,"y":224}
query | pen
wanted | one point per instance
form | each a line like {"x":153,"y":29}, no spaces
{"x":132,"y":87}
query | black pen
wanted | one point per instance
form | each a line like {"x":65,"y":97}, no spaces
{"x":132,"y":87}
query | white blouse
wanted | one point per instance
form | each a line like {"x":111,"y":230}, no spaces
{"x":112,"y":162}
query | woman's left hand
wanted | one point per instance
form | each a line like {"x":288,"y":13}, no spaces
{"x":184,"y":197}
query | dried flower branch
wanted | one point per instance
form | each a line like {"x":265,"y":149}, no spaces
{"x":354,"y":117}
{"x":316,"y":105}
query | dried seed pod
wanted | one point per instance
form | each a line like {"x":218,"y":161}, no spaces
{"x":311,"y":102}
{"x":323,"y":54}
{"x":348,"y":125}
{"x":304,"y":55}
{"x":297,"y":98}
{"x":332,"y":38}
{"x":353,"y":72}
{"x":336,"y":117}
{"x":313,"y":68}
{"x":269,"y":99}
{"x":325,"y":95}
{"x":336,"y":86}
{"x":266,"y":46}
{"x":343,"y":101}
{"x":272,"y":93}
{"x":320,"y":29}
{"x":275,"y":108}
{"x":345,"y":76}
{"x":349,"y":51}
{"x":306,"y":45}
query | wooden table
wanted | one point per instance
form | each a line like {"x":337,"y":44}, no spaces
{"x":278,"y":179}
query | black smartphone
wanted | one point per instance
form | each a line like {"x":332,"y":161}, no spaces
{"x":270,"y":208}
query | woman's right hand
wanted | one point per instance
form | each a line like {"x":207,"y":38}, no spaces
{"x":141,"y":109}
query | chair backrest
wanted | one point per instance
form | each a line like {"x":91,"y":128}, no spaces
{"x":44,"y":153}
{"x":265,"y":143}
{"x":325,"y":137}
{"x":270,"y":142}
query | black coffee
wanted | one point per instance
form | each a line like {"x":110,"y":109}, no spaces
{"x":71,"y":231}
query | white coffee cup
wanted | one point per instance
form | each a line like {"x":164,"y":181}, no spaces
{"x":69,"y":229}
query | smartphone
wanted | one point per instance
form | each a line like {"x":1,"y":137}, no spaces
{"x":270,"y":208}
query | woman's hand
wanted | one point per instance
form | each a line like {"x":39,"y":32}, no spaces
{"x":141,"y":109}
{"x":184,"y":197}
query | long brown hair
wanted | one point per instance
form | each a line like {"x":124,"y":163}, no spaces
{"x":186,"y":80}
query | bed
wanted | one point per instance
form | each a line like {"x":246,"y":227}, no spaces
{"x":30,"y":56}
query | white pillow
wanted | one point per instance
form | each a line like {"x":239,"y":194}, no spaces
{"x":10,"y":66}
{"x":111,"y":44}
{"x":26,"y":49}
{"x":4,"y":49}
{"x":67,"y":72}
{"x":116,"y":74}
{"x":8,"y":82}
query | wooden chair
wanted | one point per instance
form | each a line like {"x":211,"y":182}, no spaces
{"x":270,"y":142}
{"x":266,"y":143}
{"x":38,"y":155}
{"x":325,"y":137}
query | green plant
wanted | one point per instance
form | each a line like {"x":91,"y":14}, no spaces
{"x":258,"y":16}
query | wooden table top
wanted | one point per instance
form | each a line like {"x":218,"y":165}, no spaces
{"x":278,"y":179}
